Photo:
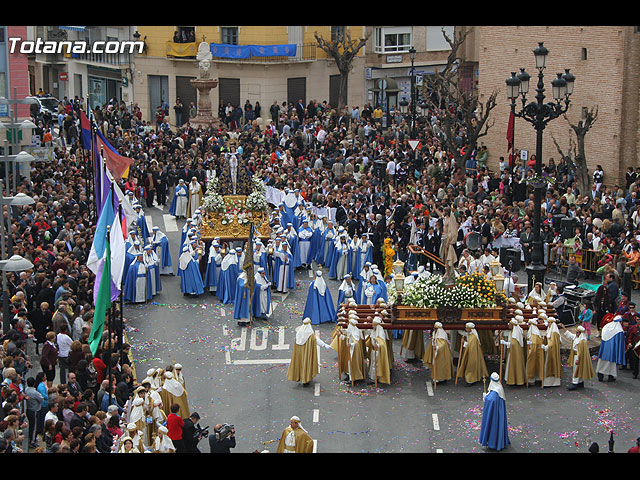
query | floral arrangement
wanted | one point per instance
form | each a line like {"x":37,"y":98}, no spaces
{"x":392,"y":294}
{"x":213,"y":201}
{"x":389,"y":253}
{"x":257,"y":200}
{"x":482,"y":286}
{"x":471,"y":291}
{"x":235,"y":209}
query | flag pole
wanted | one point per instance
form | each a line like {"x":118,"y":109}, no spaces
{"x":108,"y":312}
{"x":248,"y":269}
{"x":121,"y":297}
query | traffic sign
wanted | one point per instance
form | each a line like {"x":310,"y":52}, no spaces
{"x":64,"y":76}
{"x":413,"y":144}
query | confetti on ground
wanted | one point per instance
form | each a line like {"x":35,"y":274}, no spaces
{"x":369,"y":430}
{"x":199,"y":340}
{"x":280,"y":365}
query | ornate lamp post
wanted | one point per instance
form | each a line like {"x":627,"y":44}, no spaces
{"x":539,"y":114}
{"x":412,"y":55}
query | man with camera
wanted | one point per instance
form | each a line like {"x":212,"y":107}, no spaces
{"x":192,"y":433}
{"x":223,"y":438}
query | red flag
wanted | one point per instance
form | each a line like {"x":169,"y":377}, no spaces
{"x":510,"y":130}
{"x":117,"y":164}
{"x":510,"y":134}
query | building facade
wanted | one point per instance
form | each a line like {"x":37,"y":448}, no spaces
{"x":14,"y":78}
{"x":163,"y":72}
{"x":95,"y":77}
{"x":605,"y":62}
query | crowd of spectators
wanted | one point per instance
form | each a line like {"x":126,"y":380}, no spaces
{"x":337,"y":158}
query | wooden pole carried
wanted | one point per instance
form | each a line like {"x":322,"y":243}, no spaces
{"x":501,"y":357}
{"x":433,"y":361}
{"x":459,"y":359}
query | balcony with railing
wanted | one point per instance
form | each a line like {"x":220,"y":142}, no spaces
{"x":110,"y":59}
{"x":304,"y":53}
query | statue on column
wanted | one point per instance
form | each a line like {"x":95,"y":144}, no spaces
{"x":204,"y":57}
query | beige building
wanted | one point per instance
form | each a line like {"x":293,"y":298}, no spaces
{"x":164,"y":70}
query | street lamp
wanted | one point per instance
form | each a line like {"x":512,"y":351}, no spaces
{"x":412,"y":56}
{"x":539,"y":114}
{"x":16,"y":263}
{"x":14,"y":126}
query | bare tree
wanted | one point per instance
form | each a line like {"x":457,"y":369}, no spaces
{"x":343,"y":49}
{"x":576,"y":155}
{"x":458,"y":109}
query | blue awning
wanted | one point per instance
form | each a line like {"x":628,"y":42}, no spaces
{"x":75,"y":29}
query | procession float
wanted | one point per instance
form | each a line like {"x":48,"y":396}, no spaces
{"x":234,"y":202}
{"x":429,"y":299}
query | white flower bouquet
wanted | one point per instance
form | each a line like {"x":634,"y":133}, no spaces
{"x":430,"y":292}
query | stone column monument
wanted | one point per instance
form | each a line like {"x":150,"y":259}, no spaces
{"x":204,"y":84}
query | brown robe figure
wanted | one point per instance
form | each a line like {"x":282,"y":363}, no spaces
{"x":472,"y":365}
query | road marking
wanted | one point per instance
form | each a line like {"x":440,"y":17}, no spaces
{"x":310,"y":273}
{"x":240,"y":343}
{"x":316,"y":415}
{"x":260,"y":361}
{"x":170,"y":224}
{"x":439,"y":450}
{"x":429,"y":389}
{"x":436,"y":423}
{"x":315,"y":446}
{"x":316,"y":390}
{"x":254,"y":339}
{"x":149,"y":221}
{"x":281,"y":345}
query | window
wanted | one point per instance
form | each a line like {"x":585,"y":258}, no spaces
{"x":584,"y":54}
{"x":392,"y":39}
{"x":1,"y":34}
{"x":337,"y":33}
{"x":185,"y":35}
{"x":229,"y":35}
{"x":435,"y":38}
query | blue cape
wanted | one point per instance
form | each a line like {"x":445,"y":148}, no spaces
{"x":319,"y":308}
{"x":494,"y":429}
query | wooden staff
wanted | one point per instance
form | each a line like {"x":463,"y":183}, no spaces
{"x":433,"y":361}
{"x":339,"y":364}
{"x":544,"y":367}
{"x":459,"y":360}
{"x":349,"y":360}
{"x":526,"y":349}
{"x":501,"y":356}
{"x":375,"y":366}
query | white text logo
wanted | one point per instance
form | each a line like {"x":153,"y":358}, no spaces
{"x":39,"y":46}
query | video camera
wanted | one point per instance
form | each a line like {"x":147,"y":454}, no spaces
{"x":224,"y":431}
{"x":201,"y":432}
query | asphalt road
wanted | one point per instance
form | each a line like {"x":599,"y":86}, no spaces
{"x":238,"y":375}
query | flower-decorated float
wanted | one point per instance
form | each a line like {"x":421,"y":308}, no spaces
{"x":471,"y":298}
{"x":229,"y":217}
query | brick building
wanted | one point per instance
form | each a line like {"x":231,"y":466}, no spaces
{"x":605,"y":61}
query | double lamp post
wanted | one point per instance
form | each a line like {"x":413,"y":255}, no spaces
{"x":539,"y":114}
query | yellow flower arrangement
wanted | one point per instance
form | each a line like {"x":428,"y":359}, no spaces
{"x":389,"y":254}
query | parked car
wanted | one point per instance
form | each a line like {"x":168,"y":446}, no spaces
{"x":48,"y":104}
